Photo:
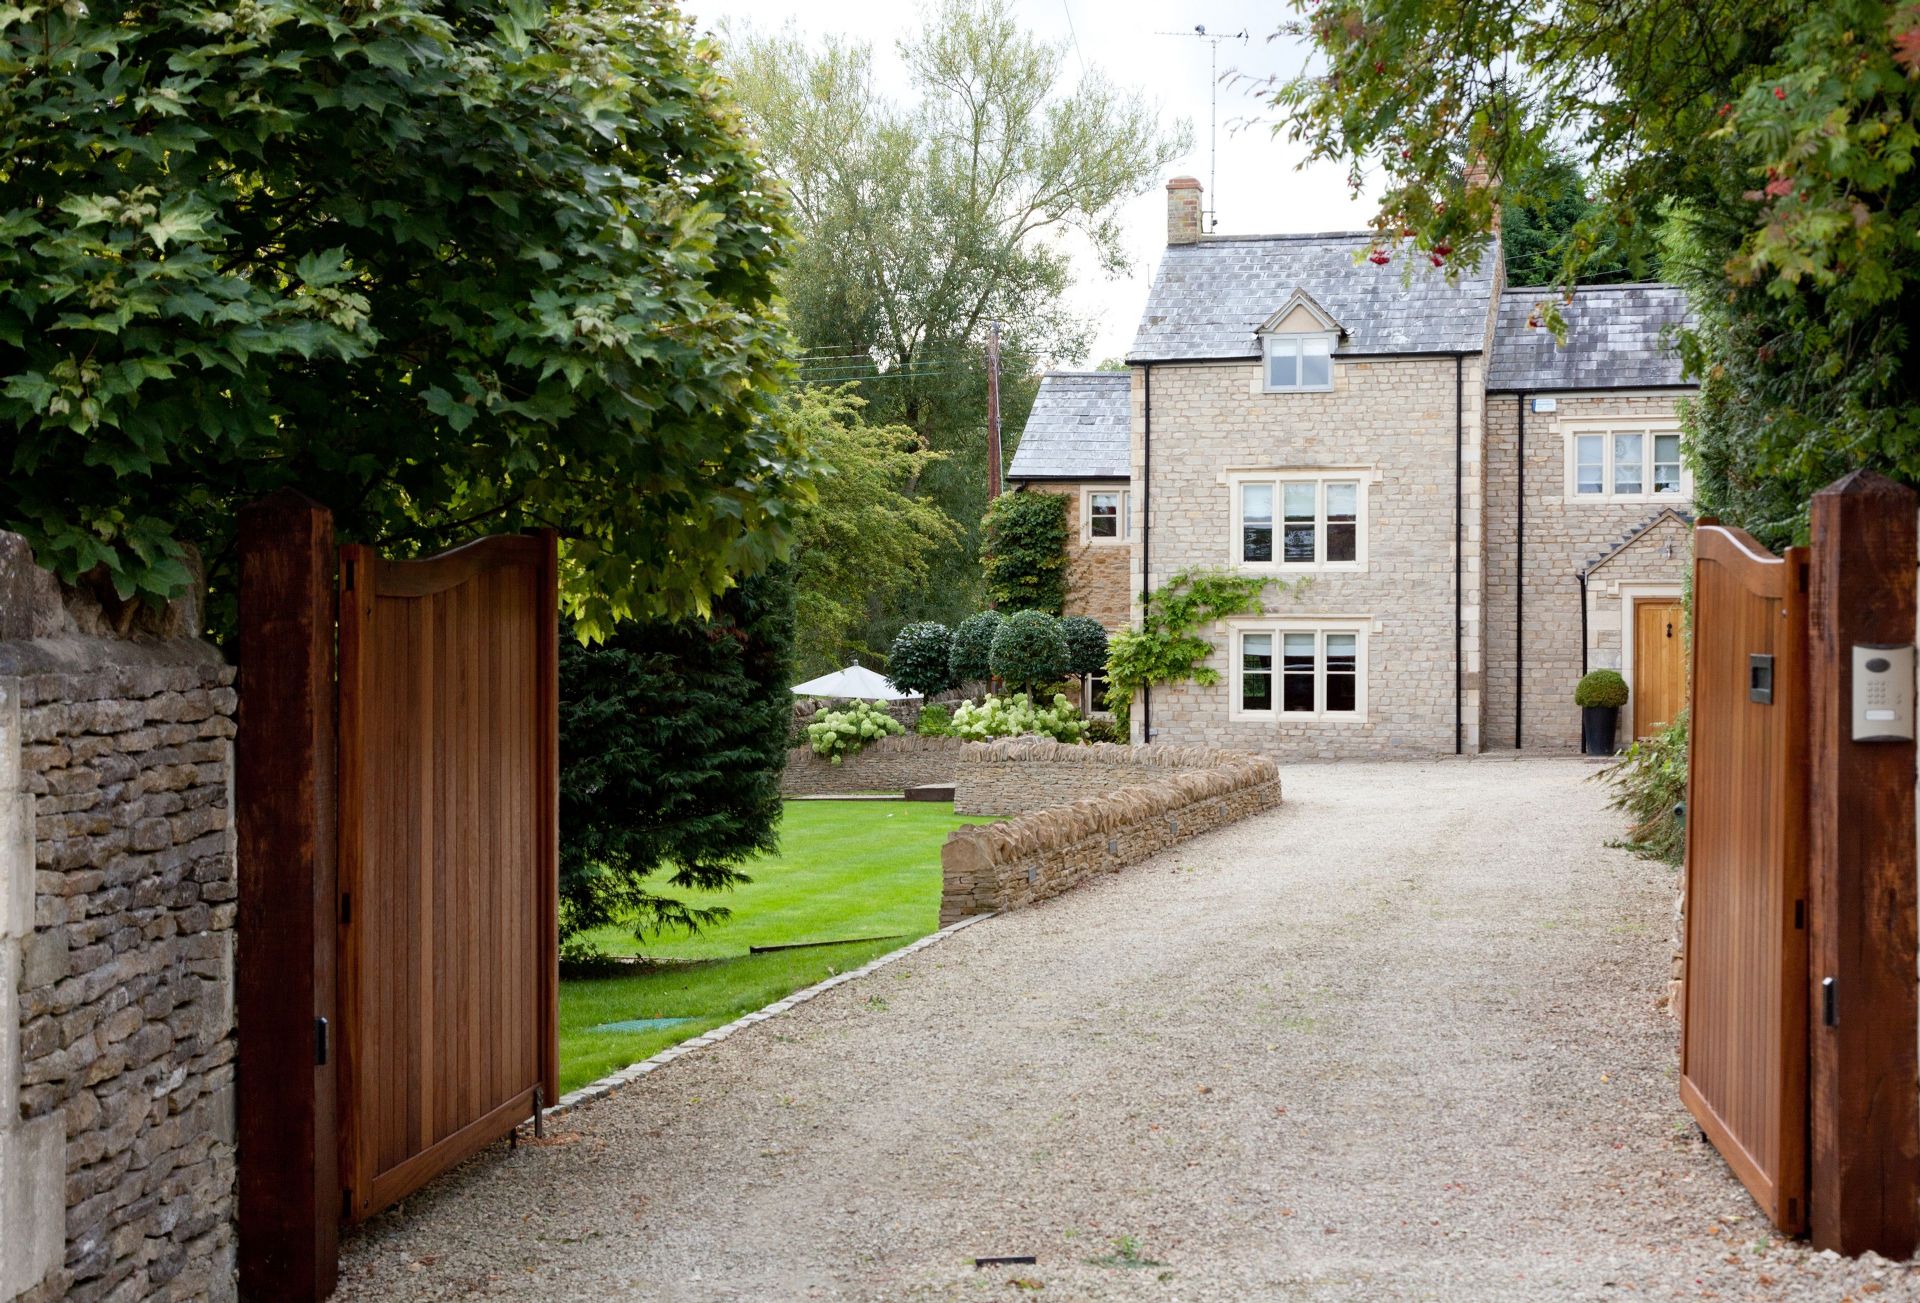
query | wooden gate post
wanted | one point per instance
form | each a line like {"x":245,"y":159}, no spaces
{"x":1865,"y":1065}
{"x":284,"y":790}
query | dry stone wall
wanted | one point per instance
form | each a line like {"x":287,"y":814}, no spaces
{"x":1020,"y":775}
{"x":117,"y":903}
{"x":888,"y":764}
{"x":1179,"y":793}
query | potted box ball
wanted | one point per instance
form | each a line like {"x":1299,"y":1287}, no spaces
{"x":1600,"y":696}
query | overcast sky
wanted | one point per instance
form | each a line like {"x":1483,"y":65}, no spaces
{"x":1259,"y":189}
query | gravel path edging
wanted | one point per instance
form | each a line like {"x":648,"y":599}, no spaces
{"x":626,"y":1076}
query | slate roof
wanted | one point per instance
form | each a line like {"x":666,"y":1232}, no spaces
{"x":1613,"y":339}
{"x":1078,"y":427}
{"x":1209,"y":298}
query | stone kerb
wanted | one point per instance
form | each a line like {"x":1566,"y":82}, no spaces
{"x":117,"y":891}
{"x":1174,"y":793}
{"x":887,"y":764}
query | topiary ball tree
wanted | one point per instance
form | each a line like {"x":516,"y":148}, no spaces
{"x":1028,"y":648}
{"x":921,"y":659}
{"x":972,"y":656}
{"x":1086,"y":645}
{"x":1601,"y":688}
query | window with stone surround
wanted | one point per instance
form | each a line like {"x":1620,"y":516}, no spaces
{"x":1299,"y":520}
{"x":1625,"y":462}
{"x":1106,"y":516}
{"x":1295,"y":669}
{"x":1299,"y":363}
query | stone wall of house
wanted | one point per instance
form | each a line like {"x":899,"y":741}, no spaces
{"x":1000,"y":866}
{"x":1021,"y":775}
{"x":888,"y":764}
{"x":117,"y":902}
{"x":1394,"y":421}
{"x":1562,"y":538}
{"x":1098,"y":570}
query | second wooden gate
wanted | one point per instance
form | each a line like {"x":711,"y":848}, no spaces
{"x":1743,"y":1056}
{"x":448,"y":856}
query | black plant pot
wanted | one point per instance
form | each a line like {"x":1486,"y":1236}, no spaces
{"x":1598,"y":727}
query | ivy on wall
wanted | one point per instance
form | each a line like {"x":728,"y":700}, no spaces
{"x":1024,"y":553}
{"x":1166,"y":648}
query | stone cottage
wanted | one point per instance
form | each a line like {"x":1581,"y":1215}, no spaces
{"x":1460,"y":515}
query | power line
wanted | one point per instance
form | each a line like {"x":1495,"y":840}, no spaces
{"x":1067,"y":8}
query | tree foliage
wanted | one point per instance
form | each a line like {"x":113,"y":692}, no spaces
{"x":1086,"y":644}
{"x":1028,"y":649}
{"x":1541,"y":214}
{"x":1024,"y":555}
{"x":921,"y":659}
{"x":972,"y":657}
{"x":446,"y":267}
{"x":867,"y":539}
{"x":1766,"y":148}
{"x":924,"y":219}
{"x":672,"y":739}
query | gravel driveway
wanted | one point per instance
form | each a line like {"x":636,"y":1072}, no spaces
{"x":1396,"y":1040}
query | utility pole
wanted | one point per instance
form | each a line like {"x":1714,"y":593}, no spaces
{"x":993,"y":410}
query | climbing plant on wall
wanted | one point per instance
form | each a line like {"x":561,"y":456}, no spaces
{"x":1025,"y":552}
{"x":1166,"y":648}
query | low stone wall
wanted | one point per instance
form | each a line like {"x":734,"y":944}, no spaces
{"x":117,"y":891}
{"x":888,"y":764}
{"x":1019,"y":775}
{"x":1037,"y":855}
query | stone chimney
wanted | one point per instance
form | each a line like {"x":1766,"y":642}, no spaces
{"x":1183,"y":210}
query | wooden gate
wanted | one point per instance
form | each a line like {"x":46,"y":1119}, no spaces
{"x":448,"y":857}
{"x":1743,"y":1056}
{"x":397,"y":805}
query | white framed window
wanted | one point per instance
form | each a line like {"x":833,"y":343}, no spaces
{"x":1299,"y":669}
{"x":1105,"y":517}
{"x":1299,"y":521}
{"x":1094,"y":694}
{"x":1625,"y":463}
{"x":1298,"y":363}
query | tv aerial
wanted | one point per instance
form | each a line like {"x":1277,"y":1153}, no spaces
{"x":1210,"y":216}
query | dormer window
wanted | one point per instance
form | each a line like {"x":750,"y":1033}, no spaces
{"x":1299,"y":362}
{"x":1296,"y":347}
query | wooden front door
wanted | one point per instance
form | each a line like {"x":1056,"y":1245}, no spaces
{"x":1659,"y":666}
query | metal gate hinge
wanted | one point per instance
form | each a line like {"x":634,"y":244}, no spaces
{"x":320,"y":1042}
{"x":1828,"y":1013}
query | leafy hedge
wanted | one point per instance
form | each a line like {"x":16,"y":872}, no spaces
{"x":1024,"y":553}
{"x":1650,"y":782}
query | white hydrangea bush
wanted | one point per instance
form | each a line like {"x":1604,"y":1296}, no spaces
{"x":1017,"y":716}
{"x":837,"y":734}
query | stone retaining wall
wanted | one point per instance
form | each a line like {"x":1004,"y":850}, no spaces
{"x":117,"y":902}
{"x":1032,"y":857}
{"x":1020,"y":775}
{"x":888,"y":764}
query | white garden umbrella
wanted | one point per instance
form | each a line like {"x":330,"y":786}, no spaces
{"x":854,"y":682}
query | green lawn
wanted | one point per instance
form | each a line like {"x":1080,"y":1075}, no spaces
{"x":845,"y":869}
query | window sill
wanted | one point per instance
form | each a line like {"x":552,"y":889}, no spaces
{"x":1090,"y":541}
{"x":1604,"y":499}
{"x":1298,"y":389}
{"x":1302,"y":567}
{"x":1295,"y":716}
